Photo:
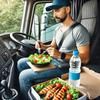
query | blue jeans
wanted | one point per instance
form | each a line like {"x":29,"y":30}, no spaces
{"x":28,"y":77}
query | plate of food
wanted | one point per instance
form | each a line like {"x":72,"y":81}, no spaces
{"x":56,"y":89}
{"x":40,"y":60}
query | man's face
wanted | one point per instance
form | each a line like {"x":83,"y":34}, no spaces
{"x":60,"y":14}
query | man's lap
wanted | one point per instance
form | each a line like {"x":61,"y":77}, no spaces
{"x":36,"y":77}
{"x":22,"y":63}
{"x":27,"y":73}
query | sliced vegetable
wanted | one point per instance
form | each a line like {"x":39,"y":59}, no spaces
{"x":65,"y":88}
{"x":74,"y":92}
{"x":59,"y":85}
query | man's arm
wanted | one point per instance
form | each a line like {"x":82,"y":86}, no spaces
{"x":52,"y":44}
{"x":84,"y":52}
{"x":41,"y":45}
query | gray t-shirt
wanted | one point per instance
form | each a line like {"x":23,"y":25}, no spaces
{"x":77,"y":37}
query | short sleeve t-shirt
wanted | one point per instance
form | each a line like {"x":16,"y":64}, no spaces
{"x":77,"y":37}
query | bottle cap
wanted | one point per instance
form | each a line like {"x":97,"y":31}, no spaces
{"x":75,"y":52}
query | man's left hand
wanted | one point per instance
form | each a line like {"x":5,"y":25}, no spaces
{"x":53,"y":52}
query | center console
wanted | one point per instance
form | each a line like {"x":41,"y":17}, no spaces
{"x":6,"y":64}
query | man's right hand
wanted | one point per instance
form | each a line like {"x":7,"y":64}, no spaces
{"x":39,"y":44}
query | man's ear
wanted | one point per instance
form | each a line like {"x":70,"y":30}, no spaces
{"x":68,"y":9}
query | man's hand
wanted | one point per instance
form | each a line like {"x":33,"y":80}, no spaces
{"x":39,"y":44}
{"x":53,"y":52}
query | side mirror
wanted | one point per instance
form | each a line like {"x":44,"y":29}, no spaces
{"x":44,"y":22}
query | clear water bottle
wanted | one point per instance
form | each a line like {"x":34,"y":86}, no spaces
{"x":74,"y":70}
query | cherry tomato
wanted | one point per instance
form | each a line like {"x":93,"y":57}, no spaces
{"x":69,"y":96}
{"x":65,"y":88}
{"x":58,"y":85}
{"x":47,"y":56}
{"x":35,"y":61}
{"x":43,"y":60}
{"x":40,"y":56}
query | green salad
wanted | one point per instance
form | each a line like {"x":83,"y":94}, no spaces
{"x":40,"y":58}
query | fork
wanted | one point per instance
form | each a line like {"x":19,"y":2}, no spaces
{"x":44,"y":52}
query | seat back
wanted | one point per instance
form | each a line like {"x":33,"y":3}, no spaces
{"x":88,"y":14}
{"x":95,"y":40}
{"x":90,"y":18}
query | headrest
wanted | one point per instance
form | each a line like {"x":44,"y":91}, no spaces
{"x":89,"y":9}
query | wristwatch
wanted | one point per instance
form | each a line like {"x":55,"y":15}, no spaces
{"x":63,"y":55}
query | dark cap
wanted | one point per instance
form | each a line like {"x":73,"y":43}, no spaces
{"x":58,"y":4}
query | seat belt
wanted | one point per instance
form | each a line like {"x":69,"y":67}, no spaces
{"x":66,"y":33}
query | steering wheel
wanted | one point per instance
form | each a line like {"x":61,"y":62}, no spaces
{"x":14,"y":36}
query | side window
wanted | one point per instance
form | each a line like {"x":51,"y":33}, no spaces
{"x":43,"y":23}
{"x":11,"y":12}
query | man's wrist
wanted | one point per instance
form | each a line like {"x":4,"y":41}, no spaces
{"x":63,"y":55}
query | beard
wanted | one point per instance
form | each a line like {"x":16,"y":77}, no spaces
{"x":59,"y":19}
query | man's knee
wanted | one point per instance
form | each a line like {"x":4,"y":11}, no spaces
{"x":26,"y":75}
{"x":22,"y":77}
{"x":22,"y":64}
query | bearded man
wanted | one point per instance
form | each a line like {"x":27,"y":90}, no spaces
{"x":68,"y":36}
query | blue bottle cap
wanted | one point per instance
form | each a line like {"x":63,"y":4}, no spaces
{"x":75,"y":52}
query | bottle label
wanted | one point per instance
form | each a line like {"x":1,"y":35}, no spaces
{"x":74,"y":76}
{"x":75,"y":64}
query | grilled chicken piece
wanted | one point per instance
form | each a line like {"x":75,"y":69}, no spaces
{"x":51,"y":93}
{"x":60,"y":94}
{"x":46,"y":89}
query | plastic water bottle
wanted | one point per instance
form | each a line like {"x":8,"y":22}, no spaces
{"x":74,"y":70}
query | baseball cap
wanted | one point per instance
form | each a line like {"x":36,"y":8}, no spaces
{"x":58,"y":4}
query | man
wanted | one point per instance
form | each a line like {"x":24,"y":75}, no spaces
{"x":77,"y":38}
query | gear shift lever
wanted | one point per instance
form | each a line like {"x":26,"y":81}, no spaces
{"x":8,"y":94}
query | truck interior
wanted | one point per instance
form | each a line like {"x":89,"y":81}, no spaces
{"x":38,"y":24}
